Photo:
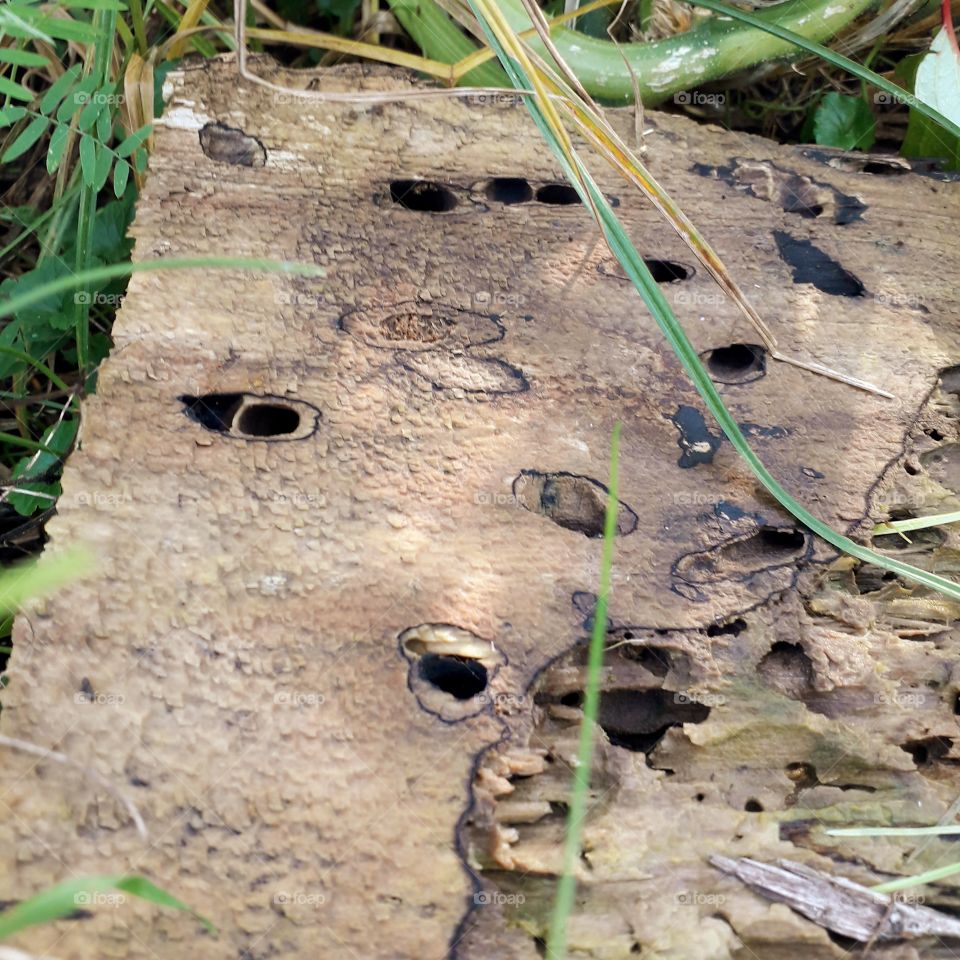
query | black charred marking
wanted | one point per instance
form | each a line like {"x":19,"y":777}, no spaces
{"x":811,"y":265}
{"x":697,"y":444}
{"x":231,"y":145}
{"x":796,"y":193}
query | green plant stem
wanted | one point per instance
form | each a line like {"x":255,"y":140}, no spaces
{"x":865,"y":74}
{"x":712,"y":49}
{"x":567,"y":884}
{"x":104,"y":22}
{"x":139,"y":31}
{"x":439,"y":38}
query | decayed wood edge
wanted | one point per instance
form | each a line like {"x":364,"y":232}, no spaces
{"x":838,"y":904}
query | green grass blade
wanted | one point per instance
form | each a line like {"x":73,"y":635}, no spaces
{"x":98,"y":275}
{"x":917,"y":523}
{"x":831,"y":56}
{"x":79,"y":893}
{"x":893,"y":831}
{"x":34,"y":579}
{"x":566,"y":887}
{"x":904,"y":883}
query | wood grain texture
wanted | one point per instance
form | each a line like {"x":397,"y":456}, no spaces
{"x":248,"y":659}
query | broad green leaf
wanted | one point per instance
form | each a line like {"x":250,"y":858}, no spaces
{"x":57,"y":146}
{"x":11,"y":89}
{"x":134,"y":140}
{"x":937,"y":82}
{"x":121,"y":174}
{"x":20,"y":27}
{"x":58,"y":439}
{"x":844,"y":122}
{"x":88,"y":160}
{"x":95,"y":105}
{"x":30,"y":134}
{"x":94,"y":4}
{"x":10,"y":115}
{"x":104,"y":164}
{"x":59,"y":28}
{"x":22,"y":58}
{"x":59,"y":88}
{"x":77,"y":98}
{"x":71,"y":895}
{"x":140,"y":160}
{"x":105,"y":126}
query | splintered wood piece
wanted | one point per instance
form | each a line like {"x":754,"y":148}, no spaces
{"x":839,"y":904}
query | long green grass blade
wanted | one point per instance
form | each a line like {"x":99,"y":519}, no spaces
{"x":904,"y":883}
{"x":831,"y":56}
{"x":34,"y":579}
{"x":893,"y":832}
{"x":917,"y":523}
{"x":98,"y":275}
{"x":566,"y":888}
{"x":82,"y":892}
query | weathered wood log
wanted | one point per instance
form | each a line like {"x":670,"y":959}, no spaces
{"x":347,"y":535}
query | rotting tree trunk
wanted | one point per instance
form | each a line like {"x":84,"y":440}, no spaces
{"x":347,"y":545}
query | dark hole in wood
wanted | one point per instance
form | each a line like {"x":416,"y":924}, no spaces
{"x":753,"y":806}
{"x":737,"y":363}
{"x":557,"y":194}
{"x":215,"y":411}
{"x":782,"y":539}
{"x":509,"y":190}
{"x":638,"y":719}
{"x":268,"y":420}
{"x":882,"y":168}
{"x":461,"y":677}
{"x":667,"y":271}
{"x":733,"y":628}
{"x":424,"y":196}
{"x":927,"y":750}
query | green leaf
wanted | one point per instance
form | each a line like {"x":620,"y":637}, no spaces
{"x":10,"y":115}
{"x":11,"y":89}
{"x":92,"y":109}
{"x":77,"y":98}
{"x":102,"y":167}
{"x":121,"y":173}
{"x":22,"y":58}
{"x":57,"y":146}
{"x":58,"y":439}
{"x":140,"y":160}
{"x":58,"y":89}
{"x":33,"y":131}
{"x":67,"y":897}
{"x":88,"y":160}
{"x":937,"y":82}
{"x":47,"y":27}
{"x":134,"y":140}
{"x":105,"y":126}
{"x":845,"y":122}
